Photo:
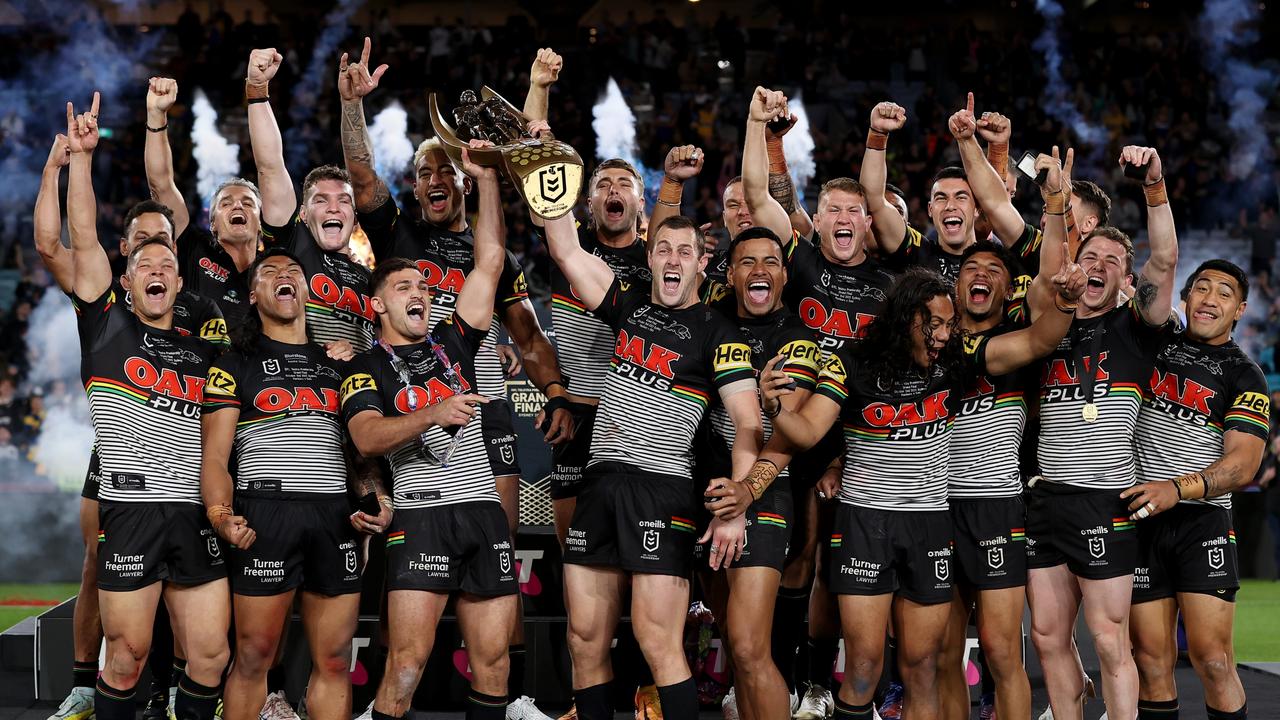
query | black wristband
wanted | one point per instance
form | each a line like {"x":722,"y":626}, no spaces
{"x":162,"y":128}
{"x":553,"y":404}
{"x":251,"y":101}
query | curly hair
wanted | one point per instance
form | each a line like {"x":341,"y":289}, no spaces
{"x":886,"y":349}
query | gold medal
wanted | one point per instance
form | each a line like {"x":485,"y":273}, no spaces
{"x":1089,"y":412}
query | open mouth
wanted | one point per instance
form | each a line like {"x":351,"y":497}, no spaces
{"x":843,"y":237}
{"x":758,"y":292}
{"x":952,"y":223}
{"x":416,"y":311}
{"x":979,"y":292}
{"x":614,"y":209}
{"x":332,"y":226}
{"x":238,"y":218}
{"x":744,"y":224}
{"x":1095,"y":282}
{"x":1204,"y":316}
{"x":438,"y":200}
{"x":286,"y":291}
{"x":670,"y":281}
{"x":156,"y":289}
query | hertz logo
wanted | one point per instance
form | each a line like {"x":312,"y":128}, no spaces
{"x":220,"y":382}
{"x":803,"y":352}
{"x":214,"y":330}
{"x":835,"y":369}
{"x":357,"y":383}
{"x":972,"y":343}
{"x":732,"y":356}
{"x":1256,"y":402}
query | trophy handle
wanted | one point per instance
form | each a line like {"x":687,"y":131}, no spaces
{"x":453,"y":145}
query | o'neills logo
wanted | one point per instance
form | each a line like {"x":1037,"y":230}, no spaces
{"x":337,"y":297}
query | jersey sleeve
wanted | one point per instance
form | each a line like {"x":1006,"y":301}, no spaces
{"x":975,"y":352}
{"x":458,"y":337}
{"x":285,"y":236}
{"x":213,"y":327}
{"x":360,"y":389}
{"x":1147,"y":338}
{"x":730,"y":353}
{"x":833,"y":378}
{"x":221,"y":387}
{"x":380,"y":226}
{"x":1027,"y":249}
{"x":98,"y":320}
{"x":797,"y":250}
{"x":512,"y":287}
{"x":618,"y":300}
{"x":803,"y":357}
{"x":1250,"y":410}
{"x":908,"y":251}
{"x":188,"y":244}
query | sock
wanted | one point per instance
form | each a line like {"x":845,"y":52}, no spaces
{"x":988,"y":682}
{"x":845,"y":711}
{"x":486,"y":707}
{"x":1158,"y":709}
{"x":84,"y":674}
{"x":179,"y":669}
{"x":112,"y":704}
{"x":1241,"y":714}
{"x":275,"y":679}
{"x":788,"y":623}
{"x":822,"y":659}
{"x":194,"y":701}
{"x":515,"y":677}
{"x":593,"y":703}
{"x":383,"y":716}
{"x":679,"y":701}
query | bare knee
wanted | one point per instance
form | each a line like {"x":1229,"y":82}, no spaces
{"x":588,"y":645}
{"x":1004,"y":654}
{"x":255,"y":653}
{"x":489,"y":670}
{"x":862,"y":673}
{"x":657,"y":642}
{"x":1215,"y":664}
{"x":125,"y":660}
{"x":750,"y":652}
{"x":1111,"y":644}
{"x":335,"y":663}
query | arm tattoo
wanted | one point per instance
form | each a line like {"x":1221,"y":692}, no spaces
{"x":761,"y":477}
{"x":355,"y":147}
{"x":1146,"y":292}
{"x":781,"y":189}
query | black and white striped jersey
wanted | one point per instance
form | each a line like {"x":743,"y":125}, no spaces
{"x":338,"y":307}
{"x":428,"y":471}
{"x":445,"y":259}
{"x":1197,"y":393}
{"x":145,"y":387}
{"x":896,"y":437}
{"x":666,"y":365}
{"x":1118,"y":349}
{"x":584,"y":342}
{"x":289,"y":438}
{"x":987,"y":434}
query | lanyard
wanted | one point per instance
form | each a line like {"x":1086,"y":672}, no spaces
{"x":411,"y":398}
{"x":1088,"y":374}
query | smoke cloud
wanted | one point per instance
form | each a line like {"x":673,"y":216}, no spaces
{"x":615,"y":126}
{"x":798,"y":145}
{"x":1058,"y":102}
{"x":216,"y":159}
{"x":320,"y":71}
{"x":392,"y":149}
{"x":1229,"y":28}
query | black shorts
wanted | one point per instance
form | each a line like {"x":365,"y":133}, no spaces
{"x":498,"y":425}
{"x":92,"y":478}
{"x":768,"y":530}
{"x":1089,"y":530}
{"x":463,"y":547}
{"x":634,"y":520}
{"x":876,"y":552}
{"x":569,"y":459}
{"x":807,"y":468}
{"x":1188,"y":548}
{"x":142,"y":543}
{"x":991,"y":542}
{"x":304,"y":540}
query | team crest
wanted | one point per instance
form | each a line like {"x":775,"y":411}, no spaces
{"x":271,"y":367}
{"x":1097,"y":547}
{"x":351,"y":561}
{"x":504,"y":561}
{"x":942,"y":568}
{"x":995,"y":557}
{"x":508,"y":454}
{"x":650,"y":540}
{"x":1216,"y":558}
{"x":214,"y":550}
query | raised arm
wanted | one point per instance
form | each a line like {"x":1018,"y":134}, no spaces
{"x":475,"y":301}
{"x":780,"y":185}
{"x":885,"y":118}
{"x":683,"y":163}
{"x":1054,"y":252}
{"x":1012,"y":351}
{"x":766,"y":106}
{"x":544,"y":73}
{"x":354,"y":83}
{"x":1155,"y":281}
{"x":92,"y":268}
{"x":279,"y":201}
{"x":158,"y":156}
{"x":588,"y":275}
{"x":988,"y":187}
{"x":48,"y":217}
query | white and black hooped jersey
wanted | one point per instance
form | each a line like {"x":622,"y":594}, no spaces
{"x":419,"y":478}
{"x":145,"y":387}
{"x":289,"y":438}
{"x":1197,"y":393}
{"x":988,"y":428}
{"x":666,"y":364}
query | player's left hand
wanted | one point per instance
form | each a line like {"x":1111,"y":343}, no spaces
{"x":727,"y":539}
{"x":1151,"y":498}
{"x":340,"y":350}
{"x":727,"y":499}
{"x":373,"y":524}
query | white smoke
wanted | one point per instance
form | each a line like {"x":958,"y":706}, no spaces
{"x":1230,"y":31}
{"x":392,"y":149}
{"x":216,"y":159}
{"x":615,"y":126}
{"x":66,"y":434}
{"x":797,"y":145}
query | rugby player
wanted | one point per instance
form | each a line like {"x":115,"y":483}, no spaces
{"x":271,"y":412}
{"x":212,"y":262}
{"x":144,"y":381}
{"x":412,"y":399}
{"x":1081,"y":544}
{"x":897,"y":391}
{"x":1201,"y":434}
{"x":634,"y":517}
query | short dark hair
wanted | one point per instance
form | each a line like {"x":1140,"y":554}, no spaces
{"x":386,"y":269}
{"x":148,"y":206}
{"x":950,"y":172}
{"x":324,"y":172}
{"x":616,"y":164}
{"x":844,"y":184}
{"x":167,"y":244}
{"x":1001,"y":253}
{"x":1097,"y":198}
{"x":754,"y":233}
{"x":1223,"y":266}
{"x":265,"y":255}
{"x":890,"y":188}
{"x":1110,"y":233}
{"x":677,"y":222}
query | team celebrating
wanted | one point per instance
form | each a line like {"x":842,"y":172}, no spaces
{"x":895,"y":433}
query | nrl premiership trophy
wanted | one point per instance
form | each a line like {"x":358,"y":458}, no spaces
{"x":548,"y":173}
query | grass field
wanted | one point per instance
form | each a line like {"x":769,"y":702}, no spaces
{"x":1257,"y":613}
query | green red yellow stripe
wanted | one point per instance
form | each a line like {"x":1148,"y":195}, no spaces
{"x":1247,"y":417}
{"x":568,"y":303}
{"x":693,"y":394}
{"x":115,"y":387}
{"x":1017,"y":534}
{"x":1120,"y":524}
{"x":837,"y":540}
{"x":767,"y":518}
{"x":395,"y":538}
{"x":685,"y":524}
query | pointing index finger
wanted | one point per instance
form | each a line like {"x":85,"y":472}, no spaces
{"x":364,"y":54}
{"x":97,"y":97}
{"x":969,"y":105}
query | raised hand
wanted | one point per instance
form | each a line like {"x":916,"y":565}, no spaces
{"x":546,"y":68}
{"x":888,"y":117}
{"x":1070,"y":282}
{"x":540,"y":129}
{"x":1067,"y":164}
{"x":1138,"y":155}
{"x":264,"y":63}
{"x":82,"y":129}
{"x":475,"y":171}
{"x":994,"y":127}
{"x":1052,"y":168}
{"x":354,"y":79}
{"x":60,"y":153}
{"x":162,"y":92}
{"x":771,"y":134}
{"x":767,"y":105}
{"x":962,"y":123}
{"x":683,"y":162}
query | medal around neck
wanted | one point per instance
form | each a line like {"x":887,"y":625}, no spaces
{"x":1089,"y":412}
{"x":547,"y":173}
